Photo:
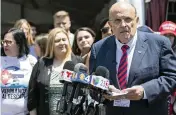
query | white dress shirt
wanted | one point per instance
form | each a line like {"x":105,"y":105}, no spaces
{"x":130,"y":52}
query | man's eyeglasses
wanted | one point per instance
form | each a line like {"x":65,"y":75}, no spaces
{"x":105,"y":30}
{"x":8,"y":42}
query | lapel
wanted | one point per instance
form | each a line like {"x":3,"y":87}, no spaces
{"x":139,"y":52}
{"x":111,"y":59}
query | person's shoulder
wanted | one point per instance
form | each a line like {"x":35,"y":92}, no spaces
{"x":3,"y":57}
{"x":156,"y":38}
{"x":32,"y":60}
{"x":46,"y":61}
{"x":104,"y":41}
{"x":31,"y":57}
{"x":153,"y":35}
{"x":71,"y":35}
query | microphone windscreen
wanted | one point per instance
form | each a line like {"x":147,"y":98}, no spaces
{"x":102,"y":71}
{"x":69,"y":65}
{"x":80,"y":66}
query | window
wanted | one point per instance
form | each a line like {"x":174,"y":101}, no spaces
{"x":171,"y":11}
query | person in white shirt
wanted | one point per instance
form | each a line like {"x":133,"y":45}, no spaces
{"x":16,"y":67}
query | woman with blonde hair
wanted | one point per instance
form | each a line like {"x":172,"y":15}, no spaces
{"x":25,"y":26}
{"x":44,"y":80}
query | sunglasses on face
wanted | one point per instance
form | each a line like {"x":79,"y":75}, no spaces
{"x":105,"y":30}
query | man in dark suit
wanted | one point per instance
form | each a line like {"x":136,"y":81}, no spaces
{"x":140,"y":63}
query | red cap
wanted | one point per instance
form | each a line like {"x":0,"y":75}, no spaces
{"x":167,"y":27}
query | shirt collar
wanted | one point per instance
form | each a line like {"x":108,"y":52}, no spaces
{"x":131,"y":43}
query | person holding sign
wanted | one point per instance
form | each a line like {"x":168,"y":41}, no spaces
{"x":16,"y":67}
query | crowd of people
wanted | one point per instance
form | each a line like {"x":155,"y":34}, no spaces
{"x":141,"y":62}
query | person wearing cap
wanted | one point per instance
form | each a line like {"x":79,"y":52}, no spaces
{"x":168,"y":29}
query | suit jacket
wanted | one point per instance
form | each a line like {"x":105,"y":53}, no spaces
{"x":153,"y":66}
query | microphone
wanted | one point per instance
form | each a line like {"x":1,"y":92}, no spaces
{"x":101,"y":78}
{"x":66,"y":74}
{"x":66,"y":79}
{"x":80,"y":78}
{"x":81,"y":81}
{"x":67,"y":71}
{"x":99,"y":84}
{"x":80,"y":75}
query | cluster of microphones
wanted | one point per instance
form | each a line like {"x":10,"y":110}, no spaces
{"x":77,"y":84}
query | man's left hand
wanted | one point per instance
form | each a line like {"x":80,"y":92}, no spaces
{"x":134,"y":93}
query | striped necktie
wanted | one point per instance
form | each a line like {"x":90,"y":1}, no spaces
{"x":122,"y":70}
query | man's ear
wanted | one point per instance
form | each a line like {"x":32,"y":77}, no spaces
{"x":137,"y":20}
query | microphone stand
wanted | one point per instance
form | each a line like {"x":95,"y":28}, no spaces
{"x":77,"y":108}
{"x":100,"y":106}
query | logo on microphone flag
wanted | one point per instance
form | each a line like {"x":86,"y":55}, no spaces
{"x":81,"y":77}
{"x":66,"y":75}
{"x":96,"y":80}
{"x":100,"y":82}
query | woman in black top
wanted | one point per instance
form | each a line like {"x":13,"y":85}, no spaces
{"x":44,"y":86}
